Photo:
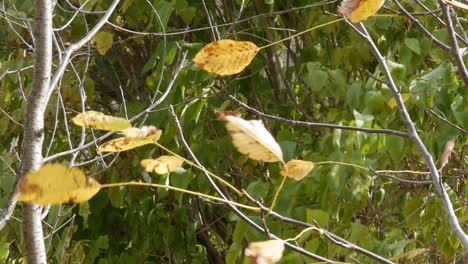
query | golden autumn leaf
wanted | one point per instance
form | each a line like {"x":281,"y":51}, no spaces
{"x":226,"y":57}
{"x":134,"y":132}
{"x":252,"y":139}
{"x":100,"y":121}
{"x":125,"y":143}
{"x":359,"y":10}
{"x":265,"y":252}
{"x":162,"y":165}
{"x":297,"y":169}
{"x":57,"y":184}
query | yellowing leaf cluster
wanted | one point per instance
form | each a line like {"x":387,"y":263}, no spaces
{"x":162,"y":165}
{"x":359,"y":10}
{"x":226,"y":57}
{"x":57,"y":184}
{"x":100,"y":121}
{"x":253,"y":139}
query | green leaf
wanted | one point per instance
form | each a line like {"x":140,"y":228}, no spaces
{"x":321,"y":217}
{"x":164,"y":10}
{"x":413,"y":45}
{"x":460,"y":110}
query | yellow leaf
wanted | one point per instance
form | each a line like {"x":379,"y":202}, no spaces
{"x":226,"y":57}
{"x":392,"y":102}
{"x":57,"y":184}
{"x":100,"y":121}
{"x":134,"y":132}
{"x":124,"y":143}
{"x":162,"y":165}
{"x":252,"y":139}
{"x":104,"y":41}
{"x":447,"y":153}
{"x":265,"y":252}
{"x":359,"y":10}
{"x":297,"y":169}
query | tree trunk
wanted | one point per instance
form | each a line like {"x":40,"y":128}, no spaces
{"x":34,"y":126}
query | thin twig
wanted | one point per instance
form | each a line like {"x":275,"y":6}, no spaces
{"x":312,"y":124}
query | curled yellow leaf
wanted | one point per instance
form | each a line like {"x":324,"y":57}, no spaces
{"x":265,"y":252}
{"x":252,"y":139}
{"x":359,"y":10}
{"x":226,"y":57}
{"x":162,"y":165}
{"x":125,"y":143}
{"x":297,"y":169}
{"x":100,"y":121}
{"x":57,"y":184}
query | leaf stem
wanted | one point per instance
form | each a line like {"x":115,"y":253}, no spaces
{"x":132,"y":183}
{"x":303,"y":232}
{"x":277,"y":193}
{"x":302,"y":32}
{"x":202,"y":169}
{"x":367,"y":169}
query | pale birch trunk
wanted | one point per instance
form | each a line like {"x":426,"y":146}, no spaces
{"x":34,"y":126}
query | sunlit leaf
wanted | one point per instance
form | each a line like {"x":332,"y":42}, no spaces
{"x":134,"y":132}
{"x":359,"y":10}
{"x":226,"y":57}
{"x":104,"y":42}
{"x":162,"y":165}
{"x":100,"y":121}
{"x":297,"y":169}
{"x":57,"y":184}
{"x":124,"y":143}
{"x":252,"y":139}
{"x":265,"y":252}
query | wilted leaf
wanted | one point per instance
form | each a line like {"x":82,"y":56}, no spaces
{"x":100,"y":121}
{"x":226,"y":57}
{"x":359,"y":10}
{"x":57,"y":184}
{"x":104,"y":41}
{"x":265,"y":252}
{"x":124,"y":143}
{"x":252,"y":139}
{"x":447,"y":153}
{"x":162,"y":165}
{"x":145,"y":131}
{"x":297,"y":169}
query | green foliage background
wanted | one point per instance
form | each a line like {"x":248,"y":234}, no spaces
{"x":323,"y":76}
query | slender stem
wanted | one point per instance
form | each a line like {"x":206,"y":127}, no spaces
{"x":202,"y":169}
{"x":110,"y":185}
{"x":302,"y":33}
{"x":277,"y":193}
{"x":367,"y":169}
{"x":304,"y":231}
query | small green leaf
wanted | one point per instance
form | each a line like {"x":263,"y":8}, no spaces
{"x":413,"y":45}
